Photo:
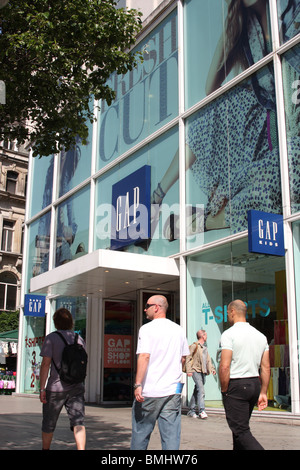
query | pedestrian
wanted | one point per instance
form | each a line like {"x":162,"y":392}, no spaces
{"x":244,"y":374}
{"x":54,"y":393}
{"x":162,"y":349}
{"x":198,"y":366}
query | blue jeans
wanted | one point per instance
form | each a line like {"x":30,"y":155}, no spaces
{"x":198,"y":393}
{"x":167,"y":412}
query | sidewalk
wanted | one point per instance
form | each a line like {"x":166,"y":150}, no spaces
{"x":110,"y":429}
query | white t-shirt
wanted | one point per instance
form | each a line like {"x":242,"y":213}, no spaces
{"x":247,"y":345}
{"x":166,"y":343}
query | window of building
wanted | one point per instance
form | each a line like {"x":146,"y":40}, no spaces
{"x":7,"y":235}
{"x":291,"y":86}
{"x":72,"y":225}
{"x":233,"y":157}
{"x":11,"y":182}
{"x":229,"y":272}
{"x":8,"y":291}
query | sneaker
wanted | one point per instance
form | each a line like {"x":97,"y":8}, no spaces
{"x":203,"y":415}
{"x":192,"y":415}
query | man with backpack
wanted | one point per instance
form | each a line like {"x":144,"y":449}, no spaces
{"x":64,"y":351}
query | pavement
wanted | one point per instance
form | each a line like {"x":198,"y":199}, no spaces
{"x":109,"y":429}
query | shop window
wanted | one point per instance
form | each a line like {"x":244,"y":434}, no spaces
{"x":232,"y":158}
{"x":162,"y":156}
{"x":291,"y":84}
{"x":216,"y":47}
{"x":40,"y":195}
{"x":75,"y":164}
{"x":38,"y":247}
{"x":146,"y":97}
{"x":118,"y":352}
{"x":72,"y":222}
{"x":296,"y":239}
{"x":223,"y":274}
{"x":288,"y":19}
{"x":8,"y":291}
{"x":7,"y":235}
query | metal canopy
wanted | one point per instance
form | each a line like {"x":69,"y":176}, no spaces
{"x":108,"y":274}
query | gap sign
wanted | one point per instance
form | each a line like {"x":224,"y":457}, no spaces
{"x":131,"y":209}
{"x":265,"y":233}
{"x":34,"y":305}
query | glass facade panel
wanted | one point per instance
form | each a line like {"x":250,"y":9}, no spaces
{"x":296,"y":235}
{"x":42,"y":181}
{"x":162,"y":156}
{"x":75,"y":165}
{"x":146,"y":97}
{"x":289,"y":19}
{"x":38,"y":247}
{"x":235,"y":37}
{"x":72,"y":227}
{"x":232,"y":158}
{"x":118,"y":356}
{"x":34,"y":334}
{"x":230,"y":272}
{"x":291,"y":84}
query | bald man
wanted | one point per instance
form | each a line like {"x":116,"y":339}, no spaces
{"x":244,"y":374}
{"x":162,"y":348}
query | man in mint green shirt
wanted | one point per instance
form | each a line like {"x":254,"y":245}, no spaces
{"x":244,"y":374}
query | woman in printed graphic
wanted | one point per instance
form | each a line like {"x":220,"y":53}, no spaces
{"x":232,"y":142}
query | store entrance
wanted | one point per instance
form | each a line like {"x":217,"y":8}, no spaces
{"x":121,"y":322}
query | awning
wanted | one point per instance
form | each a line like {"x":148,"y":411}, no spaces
{"x":107,"y":273}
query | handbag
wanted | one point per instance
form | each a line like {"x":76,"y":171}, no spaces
{"x":184,"y":365}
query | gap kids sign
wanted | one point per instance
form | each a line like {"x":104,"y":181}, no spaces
{"x":131,"y":209}
{"x":265,"y":233}
{"x":34,"y":305}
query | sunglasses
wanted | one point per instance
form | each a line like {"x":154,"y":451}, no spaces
{"x":149,"y":305}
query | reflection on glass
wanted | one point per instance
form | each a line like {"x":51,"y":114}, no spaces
{"x":39,"y":244}
{"x":236,"y":34}
{"x":291,"y":84}
{"x":162,"y":156}
{"x":232,"y":151}
{"x":75,"y":166}
{"x":77,"y":306}
{"x":42,"y":181}
{"x":72,"y":227}
{"x":146,"y":98}
{"x":289,"y":19}
{"x":218,"y":276}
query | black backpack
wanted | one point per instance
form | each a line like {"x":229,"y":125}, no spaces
{"x":73,"y":362}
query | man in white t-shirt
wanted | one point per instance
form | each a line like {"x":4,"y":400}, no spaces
{"x":162,"y":348}
{"x":244,"y":375}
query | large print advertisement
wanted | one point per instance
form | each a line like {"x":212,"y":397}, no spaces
{"x":232,"y":143}
{"x":146,"y":98}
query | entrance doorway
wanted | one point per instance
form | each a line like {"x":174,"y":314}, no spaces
{"x":121,"y":322}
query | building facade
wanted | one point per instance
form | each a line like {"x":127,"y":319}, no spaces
{"x":189,"y":186}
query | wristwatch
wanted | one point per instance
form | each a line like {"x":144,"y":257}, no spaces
{"x":136,"y":386}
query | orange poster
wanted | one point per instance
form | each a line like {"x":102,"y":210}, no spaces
{"x":117,"y":351}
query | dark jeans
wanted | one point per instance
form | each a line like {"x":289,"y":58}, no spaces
{"x":239,"y":401}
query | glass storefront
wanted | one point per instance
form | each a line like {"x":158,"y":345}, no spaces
{"x":146,"y":97}
{"x":72,"y":227}
{"x":207,"y":128}
{"x":162,"y":156}
{"x":118,"y":351}
{"x":291,"y":86}
{"x":220,"y":275}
